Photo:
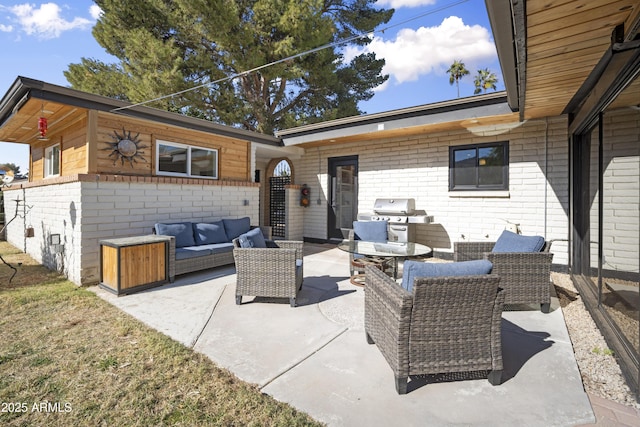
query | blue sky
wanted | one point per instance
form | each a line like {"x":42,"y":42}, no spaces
{"x":40,"y":40}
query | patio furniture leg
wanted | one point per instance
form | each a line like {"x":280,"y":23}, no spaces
{"x":495,"y":377}
{"x":369,"y":339}
{"x":238,"y":299}
{"x":292,"y":302}
{"x":545,"y":307}
{"x":401,"y":385}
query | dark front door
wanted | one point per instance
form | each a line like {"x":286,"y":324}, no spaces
{"x":343,"y":195}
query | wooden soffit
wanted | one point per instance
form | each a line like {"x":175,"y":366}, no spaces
{"x":22,"y":126}
{"x":565,"y":39}
{"x":480,"y":126}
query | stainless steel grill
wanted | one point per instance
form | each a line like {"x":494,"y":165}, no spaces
{"x":401,"y":215}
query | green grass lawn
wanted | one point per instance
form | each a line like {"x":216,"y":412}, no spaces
{"x":69,"y":358}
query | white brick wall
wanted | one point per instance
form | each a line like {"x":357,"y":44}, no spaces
{"x":419,"y":168}
{"x":54,"y":209}
{"x":294,"y":214}
{"x":85,"y":212}
{"x":621,"y":192}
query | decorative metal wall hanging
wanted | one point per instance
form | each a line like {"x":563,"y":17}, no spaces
{"x":126,"y":147}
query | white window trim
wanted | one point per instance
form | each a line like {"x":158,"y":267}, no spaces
{"x":47,"y":161}
{"x":188,"y":161}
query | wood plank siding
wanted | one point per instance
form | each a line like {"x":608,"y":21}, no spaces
{"x":232,"y":153}
{"x":87,"y":140}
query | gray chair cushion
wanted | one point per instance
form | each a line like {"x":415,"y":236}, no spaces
{"x":236,"y":227}
{"x":218,"y":248}
{"x":512,"y":242}
{"x":182,"y":231}
{"x":252,"y":239}
{"x":413,"y":269}
{"x":372,"y":231}
{"x":192,"y":252}
{"x":207,"y":233}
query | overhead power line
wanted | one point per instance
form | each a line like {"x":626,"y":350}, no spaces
{"x":298,"y":55}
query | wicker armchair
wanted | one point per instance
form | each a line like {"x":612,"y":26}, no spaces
{"x":445,"y":325}
{"x":525,"y":276}
{"x":275,"y":272}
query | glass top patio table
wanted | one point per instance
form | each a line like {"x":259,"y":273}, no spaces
{"x":386,"y":249}
{"x":389,"y":249}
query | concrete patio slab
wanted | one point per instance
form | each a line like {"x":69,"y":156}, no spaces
{"x":235,"y":336}
{"x":180,"y":309}
{"x":316,"y":358}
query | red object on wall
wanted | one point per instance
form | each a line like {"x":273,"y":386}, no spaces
{"x":304,"y":195}
{"x":42,"y":126}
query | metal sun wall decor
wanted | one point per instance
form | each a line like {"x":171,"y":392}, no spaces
{"x":126,"y":147}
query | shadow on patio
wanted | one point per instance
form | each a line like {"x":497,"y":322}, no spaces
{"x":316,"y":358}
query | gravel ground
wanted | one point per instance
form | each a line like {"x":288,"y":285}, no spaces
{"x":600,"y":371}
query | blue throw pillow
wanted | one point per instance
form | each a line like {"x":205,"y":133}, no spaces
{"x":236,"y":227}
{"x":413,"y":269}
{"x":207,"y":233}
{"x":253,"y":238}
{"x":182,"y":231}
{"x":372,"y":231}
{"x":512,"y":242}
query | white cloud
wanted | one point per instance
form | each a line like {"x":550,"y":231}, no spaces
{"x":6,"y":28}
{"x":95,"y":11}
{"x":415,"y":53}
{"x":396,"y":4}
{"x":46,"y":21}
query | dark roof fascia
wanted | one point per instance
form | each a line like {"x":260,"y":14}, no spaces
{"x":15,"y":97}
{"x":617,"y":68}
{"x":501,"y":18}
{"x":441,"y":112}
{"x":49,"y":92}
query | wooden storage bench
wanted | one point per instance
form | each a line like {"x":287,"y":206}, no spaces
{"x":131,"y":264}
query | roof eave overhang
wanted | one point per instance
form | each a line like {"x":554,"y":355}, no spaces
{"x":13,"y":100}
{"x":24,"y":88}
{"x":470,"y":108}
{"x":507,"y":18}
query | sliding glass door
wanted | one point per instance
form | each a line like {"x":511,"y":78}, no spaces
{"x":606,"y":220}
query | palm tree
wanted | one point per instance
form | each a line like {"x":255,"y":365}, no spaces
{"x":456,"y":72}
{"x":484,"y":80}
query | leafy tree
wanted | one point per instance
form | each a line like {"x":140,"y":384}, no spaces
{"x":484,"y":81}
{"x":10,"y":167}
{"x":456,"y":72}
{"x":168,"y":46}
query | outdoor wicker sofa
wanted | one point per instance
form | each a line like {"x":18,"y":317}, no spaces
{"x":275,"y":271}
{"x":444,"y":325}
{"x":198,"y":246}
{"x":525,"y":276}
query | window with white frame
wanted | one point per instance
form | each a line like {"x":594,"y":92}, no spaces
{"x":176,"y":159}
{"x":52,"y":161}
